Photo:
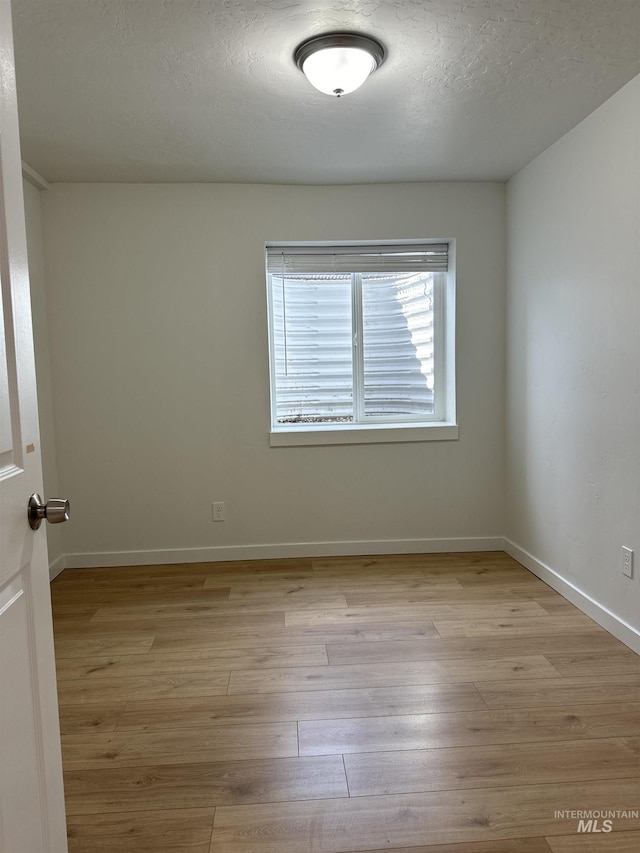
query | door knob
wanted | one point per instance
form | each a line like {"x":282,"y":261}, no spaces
{"x":55,"y":511}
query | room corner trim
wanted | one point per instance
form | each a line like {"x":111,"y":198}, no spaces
{"x":34,"y":177}
{"x":281,"y":551}
{"x":598,"y":612}
{"x":57,"y":567}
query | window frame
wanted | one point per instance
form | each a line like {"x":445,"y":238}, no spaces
{"x":441,"y":426}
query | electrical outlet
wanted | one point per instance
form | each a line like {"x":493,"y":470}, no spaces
{"x":217,"y":511}
{"x":627,"y":562}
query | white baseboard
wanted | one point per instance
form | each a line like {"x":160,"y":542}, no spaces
{"x":56,"y":567}
{"x":629,"y":635}
{"x":281,"y":551}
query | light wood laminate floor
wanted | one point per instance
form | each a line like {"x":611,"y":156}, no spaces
{"x":442,"y":703}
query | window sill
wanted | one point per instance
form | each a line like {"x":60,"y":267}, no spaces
{"x":373,"y":434}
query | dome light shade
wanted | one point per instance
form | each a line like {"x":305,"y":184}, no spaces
{"x":339,"y":63}
{"x":338,"y":70}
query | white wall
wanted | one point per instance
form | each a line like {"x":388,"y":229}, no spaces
{"x":573,"y":357}
{"x":33,"y":218}
{"x":159,"y":358}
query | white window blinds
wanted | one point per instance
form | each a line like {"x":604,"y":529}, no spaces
{"x":421,"y":257}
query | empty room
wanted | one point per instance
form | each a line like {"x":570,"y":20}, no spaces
{"x":320,"y":426}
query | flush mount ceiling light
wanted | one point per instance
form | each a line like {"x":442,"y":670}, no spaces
{"x":338,"y":63}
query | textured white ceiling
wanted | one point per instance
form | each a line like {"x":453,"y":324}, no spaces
{"x":206,"y":90}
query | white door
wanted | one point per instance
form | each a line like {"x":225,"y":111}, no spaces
{"x":31,"y":794}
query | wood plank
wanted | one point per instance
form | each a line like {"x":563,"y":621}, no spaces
{"x":277,"y":564}
{"x":206,"y":617}
{"x":312,"y":705}
{"x":405,"y":820}
{"x":432,"y":611}
{"x":469,"y":561}
{"x":479,"y":593}
{"x":170,"y":575}
{"x":73,"y":575}
{"x":559,"y":691}
{"x":125,"y":603}
{"x":346,"y":578}
{"x":263,"y":580}
{"x":412,"y":771}
{"x":240,"y":567}
{"x":194,"y":746}
{"x":472,"y":558}
{"x":616,"y":842}
{"x":513,"y":845}
{"x":192,"y":661}
{"x":370,"y":565}
{"x":555,"y":605}
{"x":467,"y":647}
{"x":264,"y":601}
{"x":184,"y":786}
{"x":73,"y":625}
{"x":191,"y":639}
{"x":623,"y":661}
{"x":388,"y":674}
{"x":521,"y":627}
{"x":77,"y":610}
{"x":136,"y":597}
{"x":140,"y":586}
{"x":179,"y":830}
{"x":91,"y":718}
{"x":468,"y":574}
{"x":219,"y":626}
{"x":424,"y":731}
{"x":133,"y":643}
{"x":215,"y":611}
{"x":241,"y":590}
{"x":88,"y":691}
{"x":495,"y":576}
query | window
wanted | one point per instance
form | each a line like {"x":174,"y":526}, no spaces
{"x":361,"y":343}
